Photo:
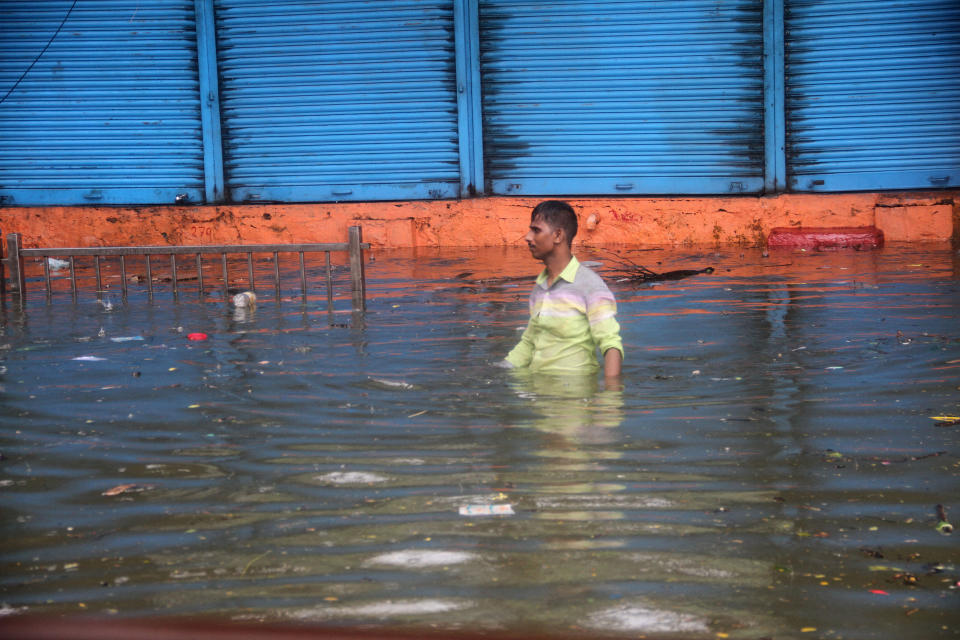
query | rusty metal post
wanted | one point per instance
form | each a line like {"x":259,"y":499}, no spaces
{"x":73,"y":277}
{"x":276,"y":274}
{"x":123,"y":277}
{"x":173,"y":271}
{"x":329,"y":289}
{"x":200,"y":275}
{"x":96,"y":267}
{"x":3,"y":276}
{"x":303,"y":279}
{"x":149,"y":277}
{"x":18,"y":283}
{"x":226,"y":277}
{"x":358,"y":278}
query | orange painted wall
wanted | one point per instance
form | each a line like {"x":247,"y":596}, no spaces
{"x":904,"y":216}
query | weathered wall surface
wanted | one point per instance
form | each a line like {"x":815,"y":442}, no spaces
{"x":907,"y":216}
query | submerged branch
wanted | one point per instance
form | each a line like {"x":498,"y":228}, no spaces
{"x":626,"y":270}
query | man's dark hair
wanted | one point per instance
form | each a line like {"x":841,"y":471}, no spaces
{"x":557,"y":214}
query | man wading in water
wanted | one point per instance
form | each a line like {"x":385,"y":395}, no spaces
{"x":572,"y":312}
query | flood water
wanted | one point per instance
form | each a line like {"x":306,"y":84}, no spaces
{"x":769,"y":468}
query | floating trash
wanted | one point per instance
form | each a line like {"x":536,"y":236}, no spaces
{"x":415,"y":559}
{"x":648,"y":619}
{"x":385,"y":609}
{"x":942,"y":525}
{"x":126,"y":488}
{"x":392,"y":384}
{"x":246,"y":299}
{"x":351,"y":477}
{"x":486,"y":510}
{"x":946,"y":421}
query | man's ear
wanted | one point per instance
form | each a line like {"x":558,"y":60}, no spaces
{"x":559,"y":235}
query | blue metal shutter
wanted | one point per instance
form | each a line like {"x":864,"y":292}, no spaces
{"x":338,"y":100}
{"x":873,"y":94}
{"x":109,"y":112}
{"x":622,"y":97}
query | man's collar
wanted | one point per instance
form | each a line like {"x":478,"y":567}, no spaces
{"x":569,"y":272}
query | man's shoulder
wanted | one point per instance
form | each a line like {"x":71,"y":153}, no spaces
{"x":588,"y":278}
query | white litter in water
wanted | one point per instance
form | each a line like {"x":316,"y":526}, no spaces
{"x":416,"y":462}
{"x":56,"y":264}
{"x":594,"y":501}
{"x":386,"y":609}
{"x":486,"y":510}
{"x":89,"y":359}
{"x":7,"y":610}
{"x":412,"y":559}
{"x":351,"y":477}
{"x":184,"y":575}
{"x":393,"y":384}
{"x":647,"y":619}
{"x":126,"y":338}
{"x":245,"y":299}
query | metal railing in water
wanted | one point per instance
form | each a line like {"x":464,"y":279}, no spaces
{"x":16,"y":254}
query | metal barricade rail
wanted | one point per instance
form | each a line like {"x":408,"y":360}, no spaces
{"x":16,"y":254}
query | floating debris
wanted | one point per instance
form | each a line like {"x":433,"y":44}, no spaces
{"x":392,"y":384}
{"x":946,"y":421}
{"x":942,"y":525}
{"x":126,"y":488}
{"x":414,"y":559}
{"x":350,"y":477}
{"x":384,"y":609}
{"x":486,"y":510}
{"x":649,"y":619}
{"x":57,"y":264}
{"x":626,"y":270}
{"x":246,"y":299}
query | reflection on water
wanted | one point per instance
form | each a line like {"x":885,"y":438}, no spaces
{"x":768,"y":467}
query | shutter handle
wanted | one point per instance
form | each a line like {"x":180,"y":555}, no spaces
{"x":939,"y":180}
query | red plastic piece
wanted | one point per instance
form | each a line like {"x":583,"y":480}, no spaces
{"x":858,"y":238}
{"x":196,"y":336}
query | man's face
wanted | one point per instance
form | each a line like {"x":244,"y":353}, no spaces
{"x":542,"y":238}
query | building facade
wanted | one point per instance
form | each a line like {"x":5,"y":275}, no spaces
{"x":193,"y":103}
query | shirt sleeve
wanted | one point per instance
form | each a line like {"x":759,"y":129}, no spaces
{"x":602,"y":316}
{"x":521,"y":355}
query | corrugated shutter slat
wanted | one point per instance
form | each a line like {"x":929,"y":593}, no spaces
{"x":109,"y":113}
{"x":873,"y":94}
{"x":622,"y":96}
{"x":338,"y":100}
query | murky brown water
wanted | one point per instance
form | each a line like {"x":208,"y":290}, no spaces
{"x":769,"y":468}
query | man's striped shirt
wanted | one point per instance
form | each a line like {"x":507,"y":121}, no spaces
{"x":569,"y":320}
